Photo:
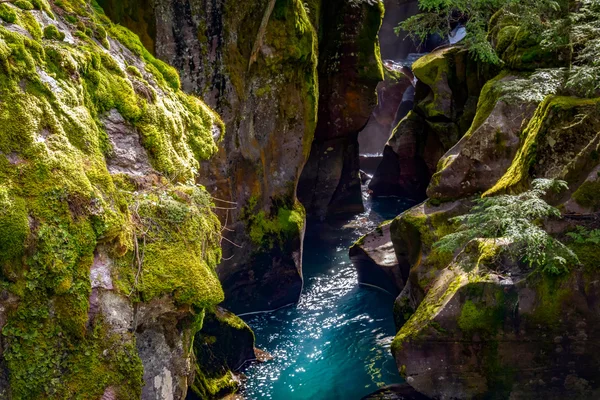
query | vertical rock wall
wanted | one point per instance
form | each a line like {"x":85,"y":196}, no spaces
{"x":349,"y":71}
{"x":269,"y":108}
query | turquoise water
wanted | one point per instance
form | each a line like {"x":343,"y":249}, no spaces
{"x":335,"y":343}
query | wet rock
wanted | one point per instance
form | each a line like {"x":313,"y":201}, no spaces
{"x":375,"y":260}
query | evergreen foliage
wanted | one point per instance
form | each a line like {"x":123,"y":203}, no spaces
{"x":517,"y":220}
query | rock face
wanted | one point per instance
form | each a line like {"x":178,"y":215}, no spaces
{"x":256,"y":65}
{"x":396,"y":392}
{"x":374,"y":258}
{"x":445,"y":103}
{"x":349,"y":71}
{"x":397,"y":47}
{"x":390,"y":96}
{"x":478,"y":324}
{"x":107,"y":252}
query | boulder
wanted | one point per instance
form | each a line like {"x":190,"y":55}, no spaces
{"x":485,"y":152}
{"x":487,"y":328}
{"x":374,"y":258}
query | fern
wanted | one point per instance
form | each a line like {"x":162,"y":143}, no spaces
{"x":516,"y":219}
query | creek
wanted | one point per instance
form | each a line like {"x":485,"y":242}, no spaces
{"x":335,"y":342}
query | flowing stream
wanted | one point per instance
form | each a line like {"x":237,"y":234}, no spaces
{"x":335,"y":343}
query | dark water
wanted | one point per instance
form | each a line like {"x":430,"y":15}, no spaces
{"x":334,"y":344}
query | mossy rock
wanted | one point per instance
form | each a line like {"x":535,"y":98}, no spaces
{"x":60,"y":203}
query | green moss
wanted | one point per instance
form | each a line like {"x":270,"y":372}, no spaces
{"x":553,"y":108}
{"x":210,"y":387}
{"x":370,"y":66}
{"x":60,"y":203}
{"x":588,"y":195}
{"x":281,"y":224}
{"x":8,"y":14}
{"x":14,"y":226}
{"x":51,"y":32}
{"x":475,"y":318}
{"x":133,"y":43}
{"x":23,"y":5}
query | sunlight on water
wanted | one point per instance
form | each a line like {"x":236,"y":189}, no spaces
{"x":334,"y":344}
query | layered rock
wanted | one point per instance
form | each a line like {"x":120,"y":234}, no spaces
{"x":108,"y":249}
{"x":445,"y":102}
{"x":349,"y":71}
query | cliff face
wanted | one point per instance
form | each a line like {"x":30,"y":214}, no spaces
{"x":482,"y":323}
{"x":108,"y":247}
{"x":256,"y":65}
{"x":349,"y":71}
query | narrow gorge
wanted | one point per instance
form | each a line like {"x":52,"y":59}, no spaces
{"x":288,"y":200}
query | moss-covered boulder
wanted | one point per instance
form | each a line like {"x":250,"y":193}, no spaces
{"x":491,"y":329}
{"x":489,"y":326}
{"x":445,"y":103}
{"x":485,"y":152}
{"x":349,"y":70}
{"x":108,"y":248}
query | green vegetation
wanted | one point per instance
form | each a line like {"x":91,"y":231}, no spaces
{"x":51,"y":32}
{"x":516,"y":219}
{"x":59,"y":204}
{"x":282,"y":223}
{"x":532,"y":17}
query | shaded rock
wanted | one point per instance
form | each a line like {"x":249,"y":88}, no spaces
{"x":396,"y":392}
{"x":393,"y":46}
{"x":224,"y":344}
{"x":349,"y":71}
{"x":374,"y":258}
